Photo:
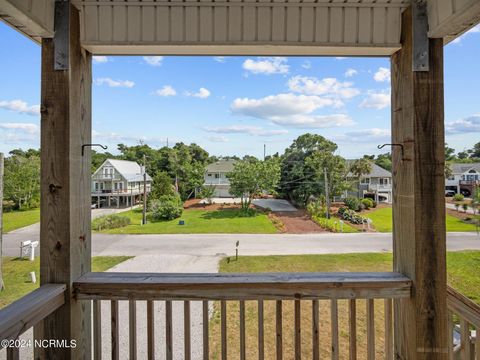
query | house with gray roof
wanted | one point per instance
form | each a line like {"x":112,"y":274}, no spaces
{"x":216,"y":177}
{"x":376,"y":185}
{"x":465,"y":178}
{"x":119,"y":183}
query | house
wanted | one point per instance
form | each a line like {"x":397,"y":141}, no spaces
{"x":464,"y":179}
{"x":216,"y":176}
{"x":376,"y":185}
{"x":118,"y":183}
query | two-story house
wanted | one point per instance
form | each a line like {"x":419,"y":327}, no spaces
{"x":118,"y":183}
{"x":376,"y":185}
{"x":216,"y":176}
{"x":464,"y":179}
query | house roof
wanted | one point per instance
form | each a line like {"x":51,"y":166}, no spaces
{"x":377,"y":171}
{"x":460,"y":168}
{"x":130,"y":170}
{"x":221,"y":166}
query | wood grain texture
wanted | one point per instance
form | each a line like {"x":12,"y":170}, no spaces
{"x":419,"y":242}
{"x":352,"y":329}
{"x":168,"y":330}
{"x":205,"y":321}
{"x":115,"y":330}
{"x":65,"y":220}
{"x":279,"y":330}
{"x":150,"y":330}
{"x":97,"y":329}
{"x":315,"y":330}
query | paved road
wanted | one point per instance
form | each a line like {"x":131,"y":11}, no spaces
{"x":250,"y":244}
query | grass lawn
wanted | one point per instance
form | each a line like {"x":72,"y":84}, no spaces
{"x":382,"y":220}
{"x":18,"y":219}
{"x":200,"y":222}
{"x":463,"y":270}
{"x":16,"y":275}
{"x":333,"y":224}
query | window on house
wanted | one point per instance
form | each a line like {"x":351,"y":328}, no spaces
{"x":96,"y":186}
{"x":116,"y":186}
{"x":384,"y":181}
{"x":451,"y":177}
{"x":365,"y":181}
{"x":217,"y":176}
{"x":120,"y":186}
{"x":209,"y":175}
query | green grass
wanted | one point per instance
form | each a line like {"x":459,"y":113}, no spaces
{"x":16,"y":275}
{"x":463,"y":267}
{"x":382,"y":220}
{"x":200,"y":222}
{"x":18,"y":219}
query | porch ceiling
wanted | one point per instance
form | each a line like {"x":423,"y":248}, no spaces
{"x":241,"y":27}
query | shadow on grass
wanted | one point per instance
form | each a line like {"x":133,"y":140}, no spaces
{"x":225,"y":214}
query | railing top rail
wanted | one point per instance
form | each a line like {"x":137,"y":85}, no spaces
{"x":463,"y":306}
{"x":24,"y":313}
{"x":186,"y":286}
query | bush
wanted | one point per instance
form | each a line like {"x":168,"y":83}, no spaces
{"x":167,"y":207}
{"x":352,"y":203}
{"x":107,"y":222}
{"x":367,"y":203}
{"x":458,"y":197}
{"x":351,"y":216}
{"x":8,"y":205}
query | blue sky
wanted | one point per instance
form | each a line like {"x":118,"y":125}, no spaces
{"x":235,"y":105}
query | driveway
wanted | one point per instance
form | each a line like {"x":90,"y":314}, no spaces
{"x":276,"y":205}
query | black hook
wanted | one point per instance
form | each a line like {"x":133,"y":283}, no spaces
{"x":91,"y":145}
{"x":392,"y":145}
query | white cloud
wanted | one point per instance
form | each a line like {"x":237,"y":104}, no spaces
{"x":469,"y":124}
{"x":245,"y":129}
{"x":290,"y":110}
{"x":340,"y":58}
{"x":220,"y":59}
{"x":382,"y":75}
{"x":21,"y":107}
{"x":328,"y":87}
{"x":267,"y":65}
{"x":115,"y":138}
{"x":100,"y":59}
{"x":165,"y":91}
{"x":474,"y":30}
{"x":376,"y":100}
{"x":23,"y":127}
{"x":365,"y":136}
{"x":202,"y":93}
{"x":218,"y":139}
{"x":351,"y":72}
{"x":20,"y":134}
{"x":153,"y":60}
{"x":307,"y":64}
{"x":115,"y":83}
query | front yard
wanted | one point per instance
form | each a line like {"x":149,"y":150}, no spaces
{"x":17,"y":279}
{"x":382,"y":220}
{"x":200,"y":222}
{"x":463,"y":270}
{"x":17,"y":219}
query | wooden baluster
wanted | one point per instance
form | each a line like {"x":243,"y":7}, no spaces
{"x":388,"y":329}
{"x":315,"y":331}
{"x":132,"y":327}
{"x":115,"y":330}
{"x":97,"y":329}
{"x":186,"y":330}
{"x":242,"y":330}
{"x":223,"y":316}
{"x":206,"y":319}
{"x":279,"y":329}
{"x":477,"y":343}
{"x":150,"y":330}
{"x":370,"y":329}
{"x":352,"y":327}
{"x":450,"y":334}
{"x":261,"y":347}
{"x":168,"y":330}
{"x":298,"y":331}
{"x":13,"y":353}
{"x":465,"y":339}
{"x":334,"y":322}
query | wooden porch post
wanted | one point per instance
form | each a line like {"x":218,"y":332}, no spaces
{"x":419,"y":237}
{"x":65,"y":234}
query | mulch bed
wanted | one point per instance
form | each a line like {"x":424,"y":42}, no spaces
{"x":298,"y":222}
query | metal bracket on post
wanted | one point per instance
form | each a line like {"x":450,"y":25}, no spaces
{"x":61,"y":38}
{"x":420,"y":35}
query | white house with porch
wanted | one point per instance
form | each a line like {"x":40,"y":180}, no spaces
{"x":216,"y":176}
{"x":465,"y":178}
{"x":118,"y":183}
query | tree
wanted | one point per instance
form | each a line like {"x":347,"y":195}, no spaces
{"x":384,"y":161}
{"x":161,"y":186}
{"x":251,"y":178}
{"x":359,"y":168}
{"x":207,"y":192}
{"x":475,"y":152}
{"x":449,"y":153}
{"x":22,"y":180}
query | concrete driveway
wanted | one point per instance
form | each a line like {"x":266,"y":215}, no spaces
{"x":276,"y":205}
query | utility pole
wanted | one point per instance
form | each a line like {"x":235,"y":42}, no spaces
{"x":144,"y":220}
{"x":264,"y":151}
{"x":327,"y":192}
{"x":2,"y":285}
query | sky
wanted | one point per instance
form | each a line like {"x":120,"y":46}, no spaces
{"x":236,"y":105}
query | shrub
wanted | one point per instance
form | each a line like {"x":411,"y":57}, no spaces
{"x":107,"y":222}
{"x":352,"y":216}
{"x":8,"y":205}
{"x":458,"y":197}
{"x":167,"y":207}
{"x":317,"y":208}
{"x":352,"y":203}
{"x":367,"y":203}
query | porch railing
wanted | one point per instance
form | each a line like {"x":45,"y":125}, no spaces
{"x":464,"y":326}
{"x":288,"y":312}
{"x":24,"y":313}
